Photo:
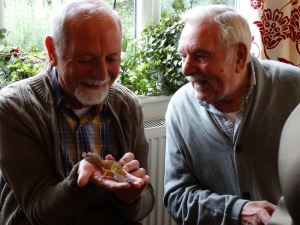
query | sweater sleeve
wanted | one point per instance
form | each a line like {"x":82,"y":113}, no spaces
{"x":187,"y":200}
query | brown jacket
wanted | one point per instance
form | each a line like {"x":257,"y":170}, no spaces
{"x":34,"y":189}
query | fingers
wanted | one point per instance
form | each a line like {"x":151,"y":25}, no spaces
{"x":270,"y":207}
{"x":126,"y":192}
{"x":139,"y":172}
{"x":263,"y":216}
{"x":127,"y":162}
{"x":85,"y":171}
{"x":132,"y":166}
{"x":257,"y":212}
{"x":127,"y":157}
{"x":109,"y":157}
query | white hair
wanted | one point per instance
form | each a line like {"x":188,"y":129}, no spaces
{"x":72,"y":8}
{"x":233,"y":27}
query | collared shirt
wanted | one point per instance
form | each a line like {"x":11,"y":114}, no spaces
{"x":94,"y":132}
{"x":228,"y":127}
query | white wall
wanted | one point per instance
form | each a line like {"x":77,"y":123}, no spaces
{"x":154,"y":107}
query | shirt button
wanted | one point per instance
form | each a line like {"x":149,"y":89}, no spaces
{"x":247,"y":195}
{"x":238,"y":149}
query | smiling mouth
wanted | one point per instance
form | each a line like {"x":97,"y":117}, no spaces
{"x":202,"y":82}
{"x":94,"y":84}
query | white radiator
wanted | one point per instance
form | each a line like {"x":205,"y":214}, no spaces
{"x":156,"y":135}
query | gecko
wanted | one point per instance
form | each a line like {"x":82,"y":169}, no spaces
{"x":110,"y":167}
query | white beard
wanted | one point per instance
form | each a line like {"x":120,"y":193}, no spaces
{"x":89,"y":96}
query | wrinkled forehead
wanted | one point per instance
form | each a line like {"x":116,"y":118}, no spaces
{"x":198,"y":34}
{"x":84,"y":18}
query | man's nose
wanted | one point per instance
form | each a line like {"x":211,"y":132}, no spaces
{"x":188,"y":66}
{"x":99,"y":69}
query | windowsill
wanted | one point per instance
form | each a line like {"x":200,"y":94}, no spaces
{"x":154,"y":107}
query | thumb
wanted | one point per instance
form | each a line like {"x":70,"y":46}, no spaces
{"x":84,"y":174}
{"x":109,"y":157}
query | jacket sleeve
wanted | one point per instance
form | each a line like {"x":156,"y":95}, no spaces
{"x":185,"y":198}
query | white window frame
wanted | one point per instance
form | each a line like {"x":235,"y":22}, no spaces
{"x":1,"y":14}
{"x":147,"y":10}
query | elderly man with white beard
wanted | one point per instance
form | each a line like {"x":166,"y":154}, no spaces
{"x":73,"y":106}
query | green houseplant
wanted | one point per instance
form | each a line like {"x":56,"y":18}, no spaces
{"x":152,"y":66}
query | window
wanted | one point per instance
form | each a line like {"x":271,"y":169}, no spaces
{"x":31,"y":24}
{"x":166,"y":4}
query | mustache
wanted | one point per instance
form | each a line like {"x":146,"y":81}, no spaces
{"x":196,"y":78}
{"x":92,"y":81}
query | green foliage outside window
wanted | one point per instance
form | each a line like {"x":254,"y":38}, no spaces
{"x":30,"y":25}
{"x":17,"y":64}
{"x":152,"y":66}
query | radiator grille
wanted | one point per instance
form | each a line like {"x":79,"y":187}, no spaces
{"x":156,"y":134}
{"x":154,"y":123}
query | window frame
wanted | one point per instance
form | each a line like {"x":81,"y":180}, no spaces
{"x":145,"y":11}
{"x":1,"y":14}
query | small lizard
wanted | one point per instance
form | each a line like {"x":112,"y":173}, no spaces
{"x":111,"y":167}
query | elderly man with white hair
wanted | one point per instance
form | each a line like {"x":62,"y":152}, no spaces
{"x":224,"y":126}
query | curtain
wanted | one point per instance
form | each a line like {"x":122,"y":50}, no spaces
{"x":275,"y":29}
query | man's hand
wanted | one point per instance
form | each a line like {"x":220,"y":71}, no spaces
{"x":257,"y":213}
{"x":126,"y":192}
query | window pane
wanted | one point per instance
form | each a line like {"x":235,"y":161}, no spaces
{"x":167,"y":4}
{"x":126,"y":9}
{"x":28,"y":21}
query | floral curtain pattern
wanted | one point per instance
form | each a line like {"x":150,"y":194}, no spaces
{"x":275,"y":28}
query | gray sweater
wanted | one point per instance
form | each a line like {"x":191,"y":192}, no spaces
{"x":34,"y":189}
{"x":208,"y":179}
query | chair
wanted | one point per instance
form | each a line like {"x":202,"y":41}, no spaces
{"x":287,"y":212}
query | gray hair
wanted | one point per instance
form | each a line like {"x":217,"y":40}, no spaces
{"x":72,"y":8}
{"x":233,"y":27}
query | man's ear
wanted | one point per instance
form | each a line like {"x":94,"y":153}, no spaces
{"x":51,"y":50}
{"x":242,"y":53}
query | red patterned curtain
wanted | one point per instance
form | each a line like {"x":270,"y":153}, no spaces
{"x":275,"y":28}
